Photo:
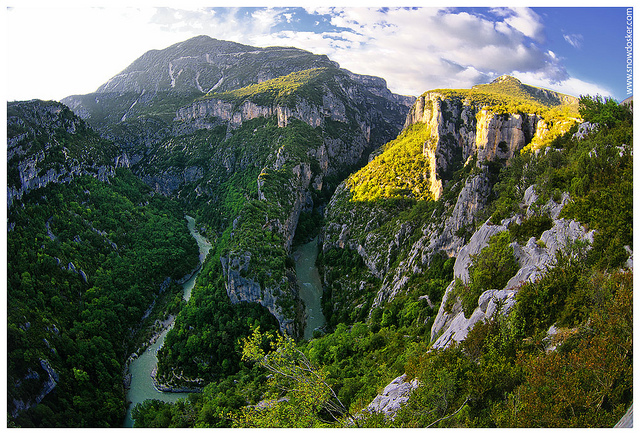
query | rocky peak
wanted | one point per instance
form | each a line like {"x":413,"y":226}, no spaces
{"x":202,"y":63}
{"x":467,"y":123}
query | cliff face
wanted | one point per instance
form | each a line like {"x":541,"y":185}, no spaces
{"x":47,"y":143}
{"x":468,"y":135}
{"x":533,"y":257}
{"x":461,"y":129}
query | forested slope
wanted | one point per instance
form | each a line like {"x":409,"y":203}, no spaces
{"x":87,"y":259}
{"x":554,"y":351}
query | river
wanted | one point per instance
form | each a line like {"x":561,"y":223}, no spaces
{"x":142,"y":387}
{"x":310,"y":285}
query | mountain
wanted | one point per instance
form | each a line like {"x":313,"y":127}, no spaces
{"x":479,"y":267}
{"x":475,"y":248}
{"x":137,"y":106}
{"x":91,"y":250}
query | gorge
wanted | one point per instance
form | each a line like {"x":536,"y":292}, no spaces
{"x":141,"y":368}
{"x":374,"y":259}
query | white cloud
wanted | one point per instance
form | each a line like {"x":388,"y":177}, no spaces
{"x":570,"y":86}
{"x":574,"y":39}
{"x":75,"y":50}
{"x":416,"y":50}
{"x":525,"y":21}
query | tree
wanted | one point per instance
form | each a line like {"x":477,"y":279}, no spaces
{"x":491,"y":269}
{"x":308,"y":401}
{"x":588,"y":381}
{"x":604,"y":111}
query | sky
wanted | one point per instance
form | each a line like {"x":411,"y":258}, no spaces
{"x":72,"y":48}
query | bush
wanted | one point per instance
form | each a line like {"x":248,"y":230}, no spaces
{"x":491,"y":269}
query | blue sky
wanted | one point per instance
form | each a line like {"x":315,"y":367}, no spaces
{"x":58,"y":51}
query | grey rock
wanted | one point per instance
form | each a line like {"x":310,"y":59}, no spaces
{"x":533,"y":259}
{"x":394,"y":395}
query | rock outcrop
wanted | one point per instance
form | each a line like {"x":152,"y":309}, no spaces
{"x":47,"y":143}
{"x":48,"y":383}
{"x":392,"y":397}
{"x":534,"y":258}
{"x":460,"y":129}
{"x":469,"y":134}
{"x":243,"y":289}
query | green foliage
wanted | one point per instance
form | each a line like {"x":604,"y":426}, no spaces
{"x":508,"y":95}
{"x":490,"y":269}
{"x":401,"y":171}
{"x":308,"y":397}
{"x":342,"y":268}
{"x":588,"y":381}
{"x":86,"y":259}
{"x":559,"y":121}
{"x":204,"y":343}
{"x":596,"y":171}
{"x":604,"y":111}
{"x":360,"y":360}
{"x":282,"y":90}
{"x":533,"y":226}
{"x":309,"y":224}
{"x":542,"y":303}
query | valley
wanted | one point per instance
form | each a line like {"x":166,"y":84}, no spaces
{"x":463,"y":258}
{"x":140,"y":369}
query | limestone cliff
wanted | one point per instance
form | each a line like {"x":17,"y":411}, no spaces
{"x":462,"y":129}
{"x":469,"y":133}
{"x":47,"y":143}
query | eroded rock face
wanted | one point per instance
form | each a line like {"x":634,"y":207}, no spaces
{"x":534,"y":258}
{"x":441,"y":236}
{"x":47,"y":143}
{"x":48,"y":384}
{"x":460,"y":130}
{"x":452,"y":126}
{"x":501,"y":136}
{"x":242,"y":289}
{"x":393,"y":396}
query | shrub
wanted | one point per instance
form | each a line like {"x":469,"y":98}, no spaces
{"x":491,"y":269}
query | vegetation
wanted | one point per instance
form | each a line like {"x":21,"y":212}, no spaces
{"x":508,"y":95}
{"x":51,"y":137}
{"x":204,"y":343}
{"x":490,"y":269}
{"x":87,"y":259}
{"x":401,"y":171}
{"x":282,"y":90}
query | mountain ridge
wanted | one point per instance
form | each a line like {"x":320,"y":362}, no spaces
{"x":415,"y":208}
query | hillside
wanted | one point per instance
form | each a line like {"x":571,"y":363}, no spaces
{"x":91,"y":250}
{"x":482,"y":305}
{"x":475,"y":249}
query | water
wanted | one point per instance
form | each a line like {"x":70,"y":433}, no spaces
{"x":310,"y":285}
{"x":142,"y":387}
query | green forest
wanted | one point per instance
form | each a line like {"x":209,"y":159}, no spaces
{"x":504,"y":374}
{"x":87,"y":260}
